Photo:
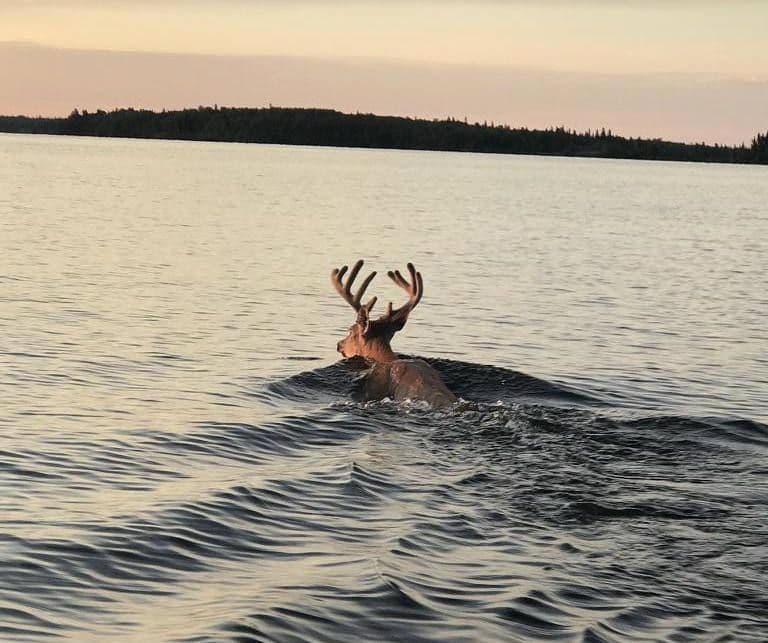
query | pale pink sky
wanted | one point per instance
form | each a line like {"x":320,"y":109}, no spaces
{"x":685,"y":69}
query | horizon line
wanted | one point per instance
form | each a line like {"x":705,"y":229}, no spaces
{"x":462,"y":120}
{"x":710,"y":107}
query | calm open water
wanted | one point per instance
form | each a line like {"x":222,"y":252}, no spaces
{"x":180,"y":459}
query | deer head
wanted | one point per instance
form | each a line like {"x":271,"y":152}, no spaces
{"x":368,"y":337}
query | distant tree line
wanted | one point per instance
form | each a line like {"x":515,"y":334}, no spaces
{"x":295,"y":126}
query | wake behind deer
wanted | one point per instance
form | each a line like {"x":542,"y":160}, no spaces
{"x":388,"y":375}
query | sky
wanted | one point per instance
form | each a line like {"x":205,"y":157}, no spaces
{"x":681,"y":69}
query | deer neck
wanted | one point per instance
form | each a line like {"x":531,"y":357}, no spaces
{"x":379,"y":351}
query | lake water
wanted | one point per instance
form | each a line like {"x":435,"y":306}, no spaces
{"x":180,"y":459}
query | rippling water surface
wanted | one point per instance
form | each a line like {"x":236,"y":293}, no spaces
{"x":180,"y":459}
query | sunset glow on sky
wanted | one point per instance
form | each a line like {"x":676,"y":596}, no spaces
{"x":717,"y":44}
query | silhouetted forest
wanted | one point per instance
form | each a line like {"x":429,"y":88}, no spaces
{"x":294,"y":126}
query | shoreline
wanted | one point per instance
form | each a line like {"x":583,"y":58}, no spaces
{"x":330,"y":128}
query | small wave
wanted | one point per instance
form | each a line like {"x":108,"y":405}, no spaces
{"x":319,"y":385}
{"x":471,"y":382}
{"x":483,"y":383}
{"x":685,"y":428}
{"x":529,"y":513}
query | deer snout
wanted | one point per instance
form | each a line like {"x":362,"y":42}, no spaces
{"x":338,"y":347}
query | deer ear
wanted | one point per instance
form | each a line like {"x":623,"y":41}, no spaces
{"x":364,"y":313}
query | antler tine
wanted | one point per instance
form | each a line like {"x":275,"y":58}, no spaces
{"x":399,"y":280}
{"x":345,"y":289}
{"x":414,"y":288}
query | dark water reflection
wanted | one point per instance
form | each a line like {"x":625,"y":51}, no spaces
{"x":181,"y":461}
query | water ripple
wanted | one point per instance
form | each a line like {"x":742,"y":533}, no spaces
{"x":168,"y":475}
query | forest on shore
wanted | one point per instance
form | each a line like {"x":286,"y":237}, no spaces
{"x":326,"y":127}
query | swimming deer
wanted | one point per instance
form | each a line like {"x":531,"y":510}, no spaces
{"x":388,"y":375}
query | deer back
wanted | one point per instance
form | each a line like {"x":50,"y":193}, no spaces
{"x":406,"y":379}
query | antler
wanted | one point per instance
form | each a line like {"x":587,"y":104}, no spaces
{"x":345,"y":289}
{"x":415,"y":290}
{"x":394,"y":319}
